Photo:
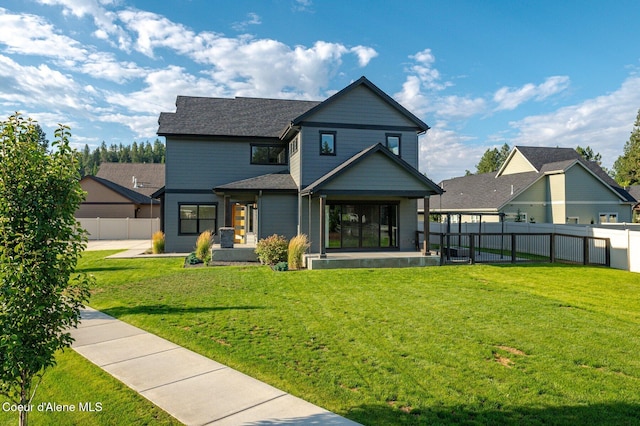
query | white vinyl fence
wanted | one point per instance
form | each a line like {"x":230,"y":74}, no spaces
{"x":120,"y":229}
{"x":625,"y":243}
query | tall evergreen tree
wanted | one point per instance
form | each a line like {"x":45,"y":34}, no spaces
{"x":492,"y":159}
{"x":588,"y":154}
{"x":627,"y":166}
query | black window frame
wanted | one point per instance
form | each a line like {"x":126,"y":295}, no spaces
{"x":334,"y":134}
{"x":197,"y":219}
{"x":393,"y":135}
{"x":282,"y":153}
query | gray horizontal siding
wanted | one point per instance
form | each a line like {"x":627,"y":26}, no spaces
{"x":349,"y":142}
{"x":361,"y":106}
{"x":184,"y":243}
{"x":375,"y":173}
{"x":203,"y":164}
{"x":278,"y":214}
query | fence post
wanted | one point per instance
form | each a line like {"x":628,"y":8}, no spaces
{"x":585,"y":250}
{"x":552,"y":247}
{"x":513,"y":248}
{"x":442,"y":249}
{"x":607,"y":253}
{"x":472,"y":249}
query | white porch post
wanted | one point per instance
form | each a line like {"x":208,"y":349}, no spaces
{"x":323,"y":252}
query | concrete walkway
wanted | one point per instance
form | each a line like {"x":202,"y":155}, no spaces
{"x":193,"y":389}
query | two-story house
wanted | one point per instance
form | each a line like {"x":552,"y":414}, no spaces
{"x":344,"y":171}
{"x":537,"y":184}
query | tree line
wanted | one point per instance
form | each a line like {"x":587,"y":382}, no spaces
{"x":143,"y":152}
{"x":626,"y":169}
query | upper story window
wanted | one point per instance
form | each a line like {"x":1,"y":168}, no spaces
{"x":293,"y":146}
{"x":327,"y":143}
{"x":393,"y":143}
{"x":268,"y":154}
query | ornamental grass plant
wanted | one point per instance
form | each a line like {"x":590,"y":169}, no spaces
{"x":157,"y":242}
{"x":203,"y":246}
{"x":297,"y":246}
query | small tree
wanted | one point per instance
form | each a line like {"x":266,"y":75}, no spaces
{"x":40,"y":244}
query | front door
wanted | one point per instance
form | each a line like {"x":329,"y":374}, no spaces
{"x":239,"y":223}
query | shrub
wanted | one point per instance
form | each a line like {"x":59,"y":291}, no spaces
{"x":281,"y":266}
{"x":157,"y":244}
{"x":272,"y":250}
{"x":203,"y":246}
{"x":192,"y":259}
{"x":297,"y":246}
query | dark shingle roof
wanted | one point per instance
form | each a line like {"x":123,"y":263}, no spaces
{"x":484,"y":191}
{"x":539,"y":156}
{"x":280,"y":181}
{"x":253,"y":117}
{"x":149,"y":176}
{"x":488,"y":192}
{"x":132,"y":195}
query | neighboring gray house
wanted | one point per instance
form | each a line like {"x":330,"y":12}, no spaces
{"x":538,"y":184}
{"x":346,"y":166}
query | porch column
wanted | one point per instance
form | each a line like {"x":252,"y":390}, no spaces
{"x":425,"y":226}
{"x":323,"y":251}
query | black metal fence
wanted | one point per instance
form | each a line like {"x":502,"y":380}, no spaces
{"x":517,"y":248}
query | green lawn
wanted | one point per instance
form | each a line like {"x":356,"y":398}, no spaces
{"x":535,"y":344}
{"x":78,"y":383}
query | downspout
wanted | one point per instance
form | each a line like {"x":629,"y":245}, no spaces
{"x":259,"y":216}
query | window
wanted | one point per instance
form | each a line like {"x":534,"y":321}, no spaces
{"x":268,"y":154}
{"x":197,"y":218}
{"x":608,"y":217}
{"x":393,"y":143}
{"x":327,"y":143}
{"x":293,"y":146}
{"x":573,"y":220}
{"x":361,"y":226}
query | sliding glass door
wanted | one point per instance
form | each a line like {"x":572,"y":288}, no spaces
{"x":361,"y":226}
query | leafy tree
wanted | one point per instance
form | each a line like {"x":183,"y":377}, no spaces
{"x":40,"y":244}
{"x":588,"y":154}
{"x":627,"y":166}
{"x":492,"y":159}
{"x":42,"y":136}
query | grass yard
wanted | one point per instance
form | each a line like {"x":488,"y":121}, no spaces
{"x":76,"y":381}
{"x":535,"y":344}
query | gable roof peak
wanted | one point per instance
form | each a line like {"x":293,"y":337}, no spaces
{"x":363,"y":81}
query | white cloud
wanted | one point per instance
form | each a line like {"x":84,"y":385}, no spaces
{"x":365,"y":54}
{"x":160,"y":91}
{"x":245,"y":65}
{"x":302,"y":5}
{"x":444,"y":153}
{"x":37,"y":86}
{"x":27,"y":34}
{"x":603,"y":123}
{"x":252,"y":19}
{"x":509,"y":99}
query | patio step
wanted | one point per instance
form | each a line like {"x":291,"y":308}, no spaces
{"x":354,"y":261}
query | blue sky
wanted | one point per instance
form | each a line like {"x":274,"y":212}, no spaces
{"x":480,"y":73}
